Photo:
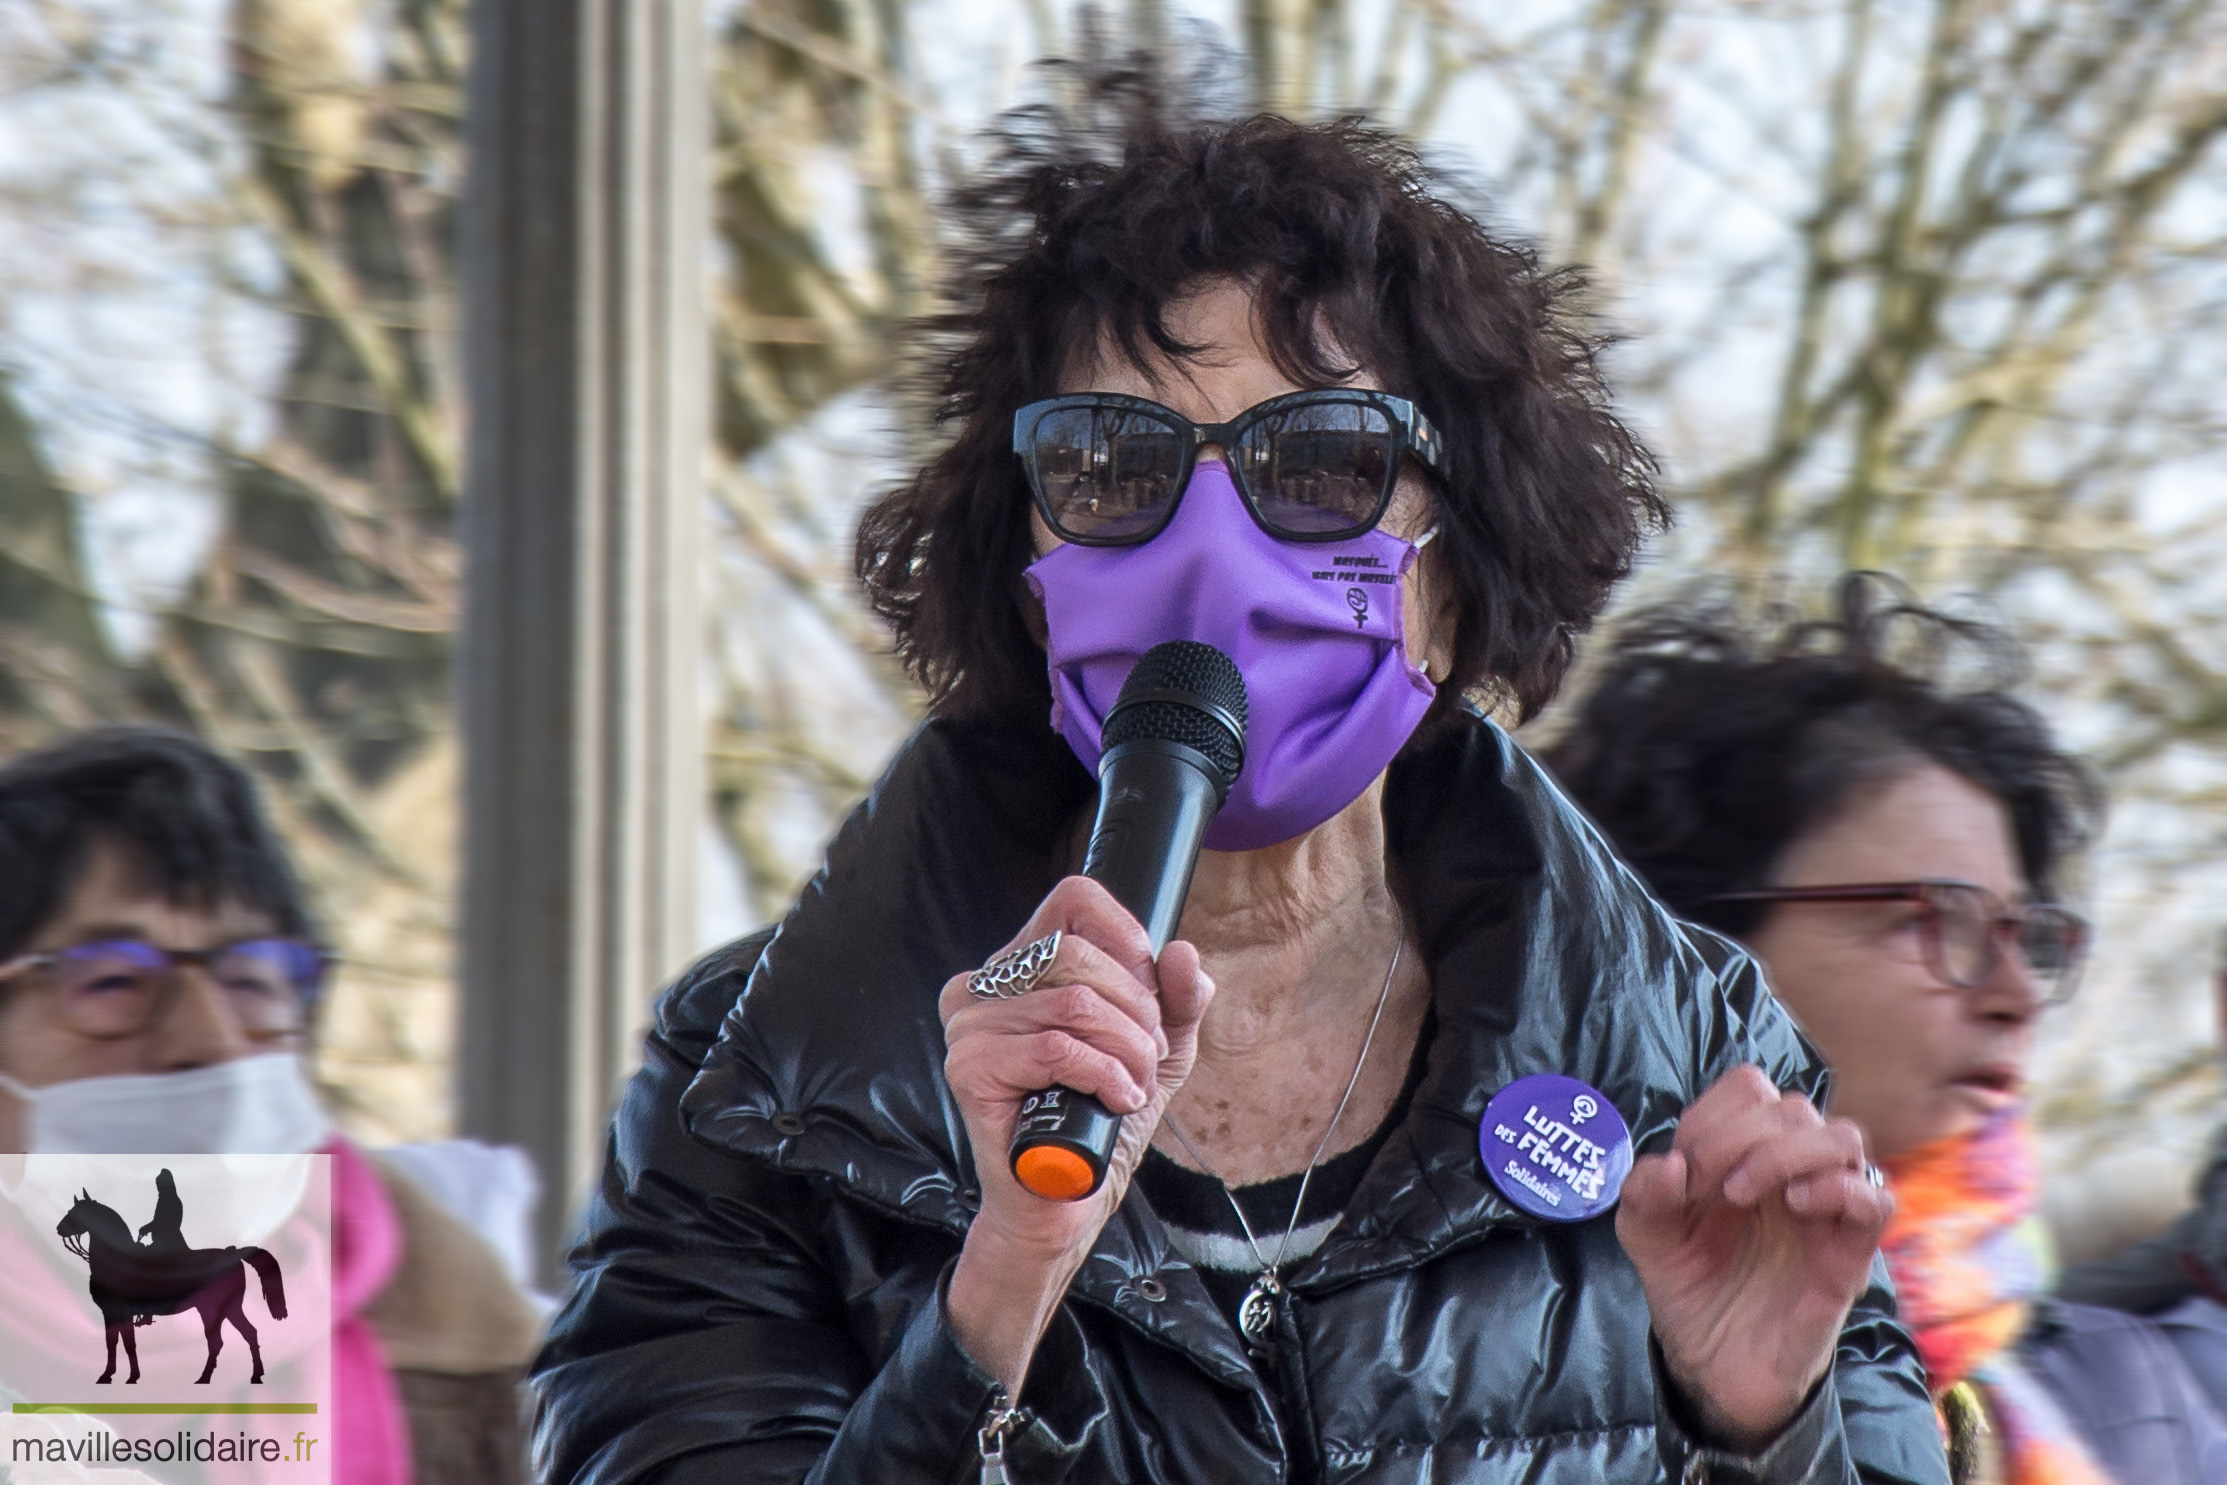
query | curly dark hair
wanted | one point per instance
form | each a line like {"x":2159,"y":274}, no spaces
{"x":1708,"y":745}
{"x":1338,"y":226}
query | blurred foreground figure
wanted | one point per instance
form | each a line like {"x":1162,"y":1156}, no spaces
{"x":1887,"y":842}
{"x":159,"y":981}
{"x":2178,"y":1277}
{"x":1251,"y":385}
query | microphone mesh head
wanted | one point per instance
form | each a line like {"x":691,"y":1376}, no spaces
{"x":1184,"y":692}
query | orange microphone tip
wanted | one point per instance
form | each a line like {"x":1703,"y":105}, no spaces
{"x":1055,"y":1173}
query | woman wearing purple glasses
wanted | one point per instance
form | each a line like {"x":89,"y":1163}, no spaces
{"x":1256,"y":385}
{"x":1887,"y":841}
{"x":158,"y":966}
{"x":159,"y":981}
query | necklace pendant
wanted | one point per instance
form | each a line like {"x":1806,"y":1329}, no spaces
{"x":1256,"y":1317}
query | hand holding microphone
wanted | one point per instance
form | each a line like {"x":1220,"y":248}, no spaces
{"x":1106,"y":1021}
{"x":1091,"y":1001}
{"x":1084,"y":1003}
{"x":1174,"y":743}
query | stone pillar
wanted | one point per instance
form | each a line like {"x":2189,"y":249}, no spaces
{"x":587,"y":368}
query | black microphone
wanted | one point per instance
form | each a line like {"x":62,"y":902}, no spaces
{"x":1173,"y":745}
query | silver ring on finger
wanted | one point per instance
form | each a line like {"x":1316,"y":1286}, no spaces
{"x":1016,"y":971}
{"x":1874,"y":1174}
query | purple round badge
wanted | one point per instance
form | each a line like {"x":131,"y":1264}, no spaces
{"x":1555,"y":1147}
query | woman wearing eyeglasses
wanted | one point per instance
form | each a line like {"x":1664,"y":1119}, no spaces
{"x":1889,"y":845}
{"x":1253,"y":385}
{"x":159,"y":978}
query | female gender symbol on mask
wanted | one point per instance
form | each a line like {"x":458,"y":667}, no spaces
{"x":1330,"y":704}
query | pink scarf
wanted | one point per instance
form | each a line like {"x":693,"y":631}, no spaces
{"x":371,"y":1444}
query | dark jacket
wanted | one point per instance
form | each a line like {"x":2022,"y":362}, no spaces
{"x":2178,"y":1278}
{"x":2128,"y":1392}
{"x":2188,"y":1258}
{"x":760,"y":1276}
{"x":2197,"y":1328}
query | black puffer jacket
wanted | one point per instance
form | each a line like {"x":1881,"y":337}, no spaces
{"x":760,"y":1276}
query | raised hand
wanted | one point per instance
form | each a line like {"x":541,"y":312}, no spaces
{"x":1103,"y":1020}
{"x":1752,"y":1236}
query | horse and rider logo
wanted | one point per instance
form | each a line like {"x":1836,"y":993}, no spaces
{"x":136,"y":1278}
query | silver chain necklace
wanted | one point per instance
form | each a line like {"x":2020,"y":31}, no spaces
{"x":1256,"y":1316}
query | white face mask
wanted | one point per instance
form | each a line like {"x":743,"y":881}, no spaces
{"x":248,"y":1106}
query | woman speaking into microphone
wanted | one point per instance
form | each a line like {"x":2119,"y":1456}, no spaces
{"x":1446,"y":1154}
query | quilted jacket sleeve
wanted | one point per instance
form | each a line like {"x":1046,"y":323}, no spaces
{"x":705,"y":1340}
{"x":1856,"y":1427}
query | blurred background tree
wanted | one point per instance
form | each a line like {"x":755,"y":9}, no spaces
{"x":1930,"y":286}
{"x":309,"y":635}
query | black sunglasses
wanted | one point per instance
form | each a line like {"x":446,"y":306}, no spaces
{"x":1964,"y":927}
{"x":1107,"y":470}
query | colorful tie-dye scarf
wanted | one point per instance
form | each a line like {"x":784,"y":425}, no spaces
{"x":1968,"y":1255}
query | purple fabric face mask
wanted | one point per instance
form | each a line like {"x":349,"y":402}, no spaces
{"x":1314,"y":628}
